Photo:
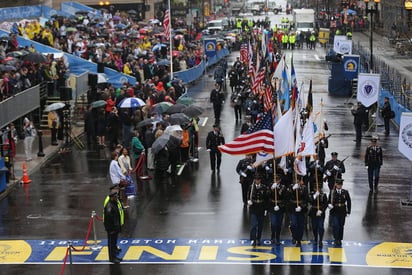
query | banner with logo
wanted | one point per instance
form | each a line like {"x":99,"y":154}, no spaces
{"x":350,"y":66}
{"x":210,"y":47}
{"x":405,"y":135}
{"x":368,"y":88}
{"x":342,"y":45}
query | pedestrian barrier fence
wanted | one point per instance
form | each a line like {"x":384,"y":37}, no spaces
{"x":71,"y":248}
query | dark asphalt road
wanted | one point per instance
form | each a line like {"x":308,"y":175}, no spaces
{"x":199,"y":205}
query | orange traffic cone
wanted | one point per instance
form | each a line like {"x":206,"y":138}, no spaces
{"x":25,"y":178}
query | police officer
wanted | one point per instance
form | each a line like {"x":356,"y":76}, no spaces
{"x":297,"y":207}
{"x":213,"y":140}
{"x":258,"y":196}
{"x":277,"y":207}
{"x":113,"y":225}
{"x":319,"y":204}
{"x":246,"y":172}
{"x":334,"y":169}
{"x":386,"y":113}
{"x":217,"y":99}
{"x":340,"y":205}
{"x":373,"y":162}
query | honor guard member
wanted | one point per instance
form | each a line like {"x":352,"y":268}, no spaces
{"x":319,"y":204}
{"x":277,"y":207}
{"x":217,"y":98}
{"x":213,"y":140}
{"x":334,"y":169}
{"x":258,"y":196}
{"x":321,"y":145}
{"x":246,"y":172}
{"x":297,"y":207}
{"x":339,"y":204}
{"x":315,"y":173}
{"x":373,"y":162}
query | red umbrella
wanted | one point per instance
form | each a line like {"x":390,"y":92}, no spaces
{"x":142,"y":31}
{"x":175,"y":53}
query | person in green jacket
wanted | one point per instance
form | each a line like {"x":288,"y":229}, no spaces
{"x":137,"y":147}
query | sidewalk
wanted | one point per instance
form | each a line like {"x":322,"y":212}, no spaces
{"x":48,"y":150}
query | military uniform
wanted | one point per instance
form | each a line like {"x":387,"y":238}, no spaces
{"x":258,"y":204}
{"x":340,"y":206}
{"x":373,"y":161}
{"x":319,"y":204}
{"x":334,"y":169}
{"x":245,"y":176}
{"x":277,"y":208}
{"x":213,"y":140}
{"x":297,"y":207}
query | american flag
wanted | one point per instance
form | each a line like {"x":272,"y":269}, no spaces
{"x":259,"y":138}
{"x":267,"y":98}
{"x":258,"y":80}
{"x":166,"y":24}
{"x":244,"y":53}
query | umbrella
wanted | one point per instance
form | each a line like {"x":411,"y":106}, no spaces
{"x":132,"y":12}
{"x":161,"y":107}
{"x":145,"y":122}
{"x":81,"y":13}
{"x":154,"y":21}
{"x":54,"y":106}
{"x":163,"y":62}
{"x":7,"y":68}
{"x":98,"y":103}
{"x":10,"y":60}
{"x":177,"y":108}
{"x":178,"y":118}
{"x":175,"y":53}
{"x":174,"y":130}
{"x":18,"y":53}
{"x":35,"y":58}
{"x":160,"y":143}
{"x":116,"y":18}
{"x":186,"y":100}
{"x":71,"y":29}
{"x":193,"y":111}
{"x":158,"y":46}
{"x":131,"y":102}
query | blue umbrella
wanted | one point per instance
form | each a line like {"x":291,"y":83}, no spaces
{"x":163,"y":62}
{"x":349,"y":12}
{"x":158,"y":46}
{"x":131,"y":102}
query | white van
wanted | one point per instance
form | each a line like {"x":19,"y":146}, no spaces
{"x":217,"y":25}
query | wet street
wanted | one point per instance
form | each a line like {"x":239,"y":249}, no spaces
{"x":196,"y":224}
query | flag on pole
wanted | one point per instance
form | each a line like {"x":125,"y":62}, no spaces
{"x":259,"y":138}
{"x":368,"y":88}
{"x":244,"y":54}
{"x":258,"y":80}
{"x":309,"y":104}
{"x":284,"y":135}
{"x":166,"y":24}
{"x":285,"y":97}
{"x":267,"y":98}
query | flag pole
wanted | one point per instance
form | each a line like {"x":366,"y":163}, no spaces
{"x":170,"y":40}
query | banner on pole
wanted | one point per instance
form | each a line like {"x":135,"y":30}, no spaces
{"x":210,"y":47}
{"x":368,"y":88}
{"x":350,"y":66}
{"x":342,"y":45}
{"x":405,"y":135}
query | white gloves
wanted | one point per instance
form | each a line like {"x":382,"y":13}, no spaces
{"x":276,"y":208}
{"x":208,"y":150}
{"x":319,"y":213}
{"x":336,"y":168}
{"x":322,"y":142}
{"x":274,"y":186}
{"x":316,"y":195}
{"x":295,"y":186}
{"x":330,"y":206}
{"x":267,"y":168}
{"x":249,"y":167}
{"x":285,"y":171}
{"x":347,"y":215}
{"x":266,"y":212}
{"x":328,"y":173}
{"x":243,"y":174}
{"x":366,"y":167}
{"x":249,"y":202}
{"x":298,"y":209}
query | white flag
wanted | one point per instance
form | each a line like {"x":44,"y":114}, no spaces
{"x":262,"y":157}
{"x":284,"y":135}
{"x":405,"y":135}
{"x":308,"y":147}
{"x":368,"y":88}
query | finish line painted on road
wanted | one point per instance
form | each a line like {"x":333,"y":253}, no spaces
{"x":210,"y":251}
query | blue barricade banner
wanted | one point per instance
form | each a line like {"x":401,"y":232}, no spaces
{"x":23,"y":12}
{"x":350,"y":66}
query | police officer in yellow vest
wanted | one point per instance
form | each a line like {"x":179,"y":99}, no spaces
{"x":285,"y":41}
{"x":292,"y":41}
{"x":312,"y":40}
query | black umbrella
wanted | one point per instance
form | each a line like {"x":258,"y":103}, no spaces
{"x":132,"y":12}
{"x":81,"y":13}
{"x":178,"y":118}
{"x":145,"y":122}
{"x":160,"y":143}
{"x":35,"y":58}
{"x":7,"y":68}
{"x":176,"y":108}
{"x":193,"y":111}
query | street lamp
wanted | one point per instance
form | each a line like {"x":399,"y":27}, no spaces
{"x":372,"y":10}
